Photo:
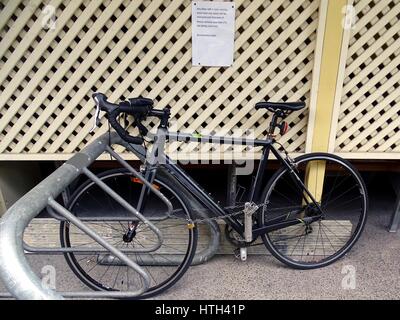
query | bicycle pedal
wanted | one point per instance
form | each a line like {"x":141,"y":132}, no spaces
{"x":241,"y":253}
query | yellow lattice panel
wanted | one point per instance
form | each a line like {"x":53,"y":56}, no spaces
{"x":369,"y":118}
{"x":129,"y":48}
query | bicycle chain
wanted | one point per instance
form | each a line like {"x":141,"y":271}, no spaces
{"x":192,"y":222}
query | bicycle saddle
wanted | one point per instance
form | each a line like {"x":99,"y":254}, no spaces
{"x":284,"y":106}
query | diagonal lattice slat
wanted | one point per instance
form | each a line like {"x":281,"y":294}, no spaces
{"x":129,"y":48}
{"x":369,"y":119}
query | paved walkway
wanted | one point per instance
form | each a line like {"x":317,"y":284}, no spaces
{"x":376,"y":259}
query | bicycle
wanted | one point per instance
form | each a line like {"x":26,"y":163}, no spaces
{"x":301,"y":229}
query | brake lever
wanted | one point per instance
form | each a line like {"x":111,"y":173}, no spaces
{"x":96,"y":116}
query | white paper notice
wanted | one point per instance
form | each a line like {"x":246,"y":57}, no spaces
{"x":213,"y":32}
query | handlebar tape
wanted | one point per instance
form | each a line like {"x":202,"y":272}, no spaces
{"x":112,"y":118}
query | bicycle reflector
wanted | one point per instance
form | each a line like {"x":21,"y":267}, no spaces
{"x":137,"y":180}
{"x":284,"y":128}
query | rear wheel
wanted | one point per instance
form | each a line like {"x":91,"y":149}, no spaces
{"x":343,"y":200}
{"x":102,"y":271}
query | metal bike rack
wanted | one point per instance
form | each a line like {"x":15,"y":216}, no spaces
{"x":15,"y":271}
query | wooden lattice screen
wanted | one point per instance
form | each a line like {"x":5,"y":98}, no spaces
{"x":131,"y":48}
{"x":369,"y":116}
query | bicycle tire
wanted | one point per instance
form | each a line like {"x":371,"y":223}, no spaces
{"x":161,"y":180}
{"x":279,"y":253}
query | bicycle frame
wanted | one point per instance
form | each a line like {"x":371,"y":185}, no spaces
{"x":157,"y":157}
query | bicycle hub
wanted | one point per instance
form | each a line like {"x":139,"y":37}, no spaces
{"x":130,"y":234}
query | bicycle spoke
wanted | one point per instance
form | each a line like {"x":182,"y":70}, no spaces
{"x":162,"y":268}
{"x":297,"y":243}
{"x":342,"y":202}
{"x":106,"y":272}
{"x":285,"y":208}
{"x":340,"y":196}
{"x":147,"y":269}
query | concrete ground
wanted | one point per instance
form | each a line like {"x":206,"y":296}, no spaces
{"x":376,"y":259}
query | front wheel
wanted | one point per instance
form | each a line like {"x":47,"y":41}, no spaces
{"x":102,"y":271}
{"x":341,"y":195}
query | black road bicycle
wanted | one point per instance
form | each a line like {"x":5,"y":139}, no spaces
{"x":309,"y":214}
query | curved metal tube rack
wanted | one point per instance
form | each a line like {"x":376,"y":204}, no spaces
{"x":15,"y":271}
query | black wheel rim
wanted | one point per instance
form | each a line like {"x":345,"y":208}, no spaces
{"x":111,"y":276}
{"x":343,"y":201}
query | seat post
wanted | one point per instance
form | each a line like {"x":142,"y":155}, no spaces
{"x":274,"y":122}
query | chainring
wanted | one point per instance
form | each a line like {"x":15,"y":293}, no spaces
{"x":235,"y":239}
